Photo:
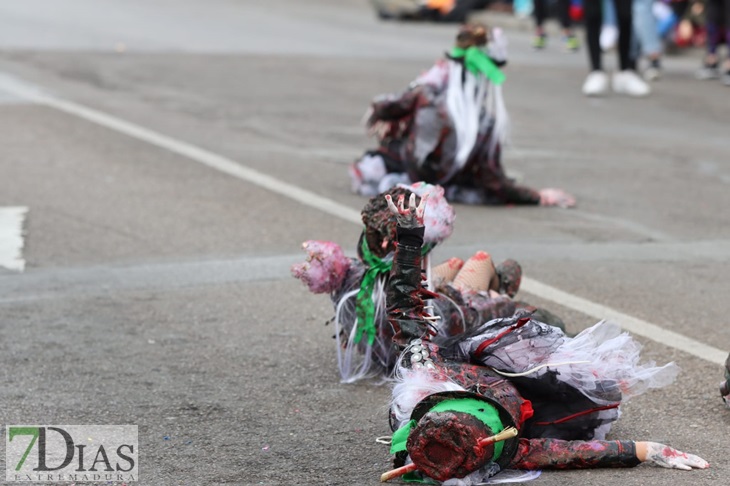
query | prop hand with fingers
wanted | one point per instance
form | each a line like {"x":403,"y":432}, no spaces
{"x":665,"y":456}
{"x":556,"y":197}
{"x":410,"y":217}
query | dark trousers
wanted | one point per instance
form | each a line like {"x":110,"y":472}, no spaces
{"x":593,"y":15}
{"x":717,"y":23}
{"x":542,"y":12}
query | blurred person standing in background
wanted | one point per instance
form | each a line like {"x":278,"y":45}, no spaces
{"x":626,"y":81}
{"x":647,"y":42}
{"x":717,"y":25}
{"x":541,"y":12}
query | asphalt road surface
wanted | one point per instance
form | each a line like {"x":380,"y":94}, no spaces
{"x":173,"y":155}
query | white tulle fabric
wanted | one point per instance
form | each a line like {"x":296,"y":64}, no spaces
{"x":412,"y":386}
{"x":600,"y":361}
{"x":361,"y":360}
{"x":613,"y":356}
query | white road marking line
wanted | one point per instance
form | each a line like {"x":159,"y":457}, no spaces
{"x":627,"y":322}
{"x":187,"y":150}
{"x":11,"y":237}
{"x":231,"y":167}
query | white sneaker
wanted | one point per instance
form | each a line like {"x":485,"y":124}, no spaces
{"x":629,"y":83}
{"x":596,"y":84}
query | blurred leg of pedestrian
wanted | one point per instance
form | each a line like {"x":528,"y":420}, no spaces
{"x":726,"y":18}
{"x":540,"y":12}
{"x":596,"y":83}
{"x":626,"y":81}
{"x":716,"y":24}
{"x":566,"y":23}
{"x":647,"y":42}
{"x":624,"y":14}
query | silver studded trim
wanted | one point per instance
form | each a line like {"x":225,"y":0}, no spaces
{"x":419,"y":356}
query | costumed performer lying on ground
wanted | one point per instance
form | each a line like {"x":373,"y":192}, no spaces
{"x":463,"y":294}
{"x":448,"y":128}
{"x":511,"y":394}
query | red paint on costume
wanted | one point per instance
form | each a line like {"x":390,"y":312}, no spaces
{"x":669,"y":452}
{"x":526,"y":411}
{"x":560,"y":454}
{"x":445,"y":445}
{"x":579,"y":414}
{"x":455,"y":263}
{"x":481,"y":256}
{"x":521,"y":322}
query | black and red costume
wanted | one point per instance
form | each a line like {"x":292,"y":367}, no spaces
{"x":561,"y":420}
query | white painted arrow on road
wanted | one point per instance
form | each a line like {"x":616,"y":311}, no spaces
{"x":11,"y":237}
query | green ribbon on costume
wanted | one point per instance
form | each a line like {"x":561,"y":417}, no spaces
{"x":400,"y":437}
{"x":480,"y":409}
{"x":477,"y":61}
{"x":364,"y":305}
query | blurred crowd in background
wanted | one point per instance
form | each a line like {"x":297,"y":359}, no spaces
{"x":641,"y":31}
